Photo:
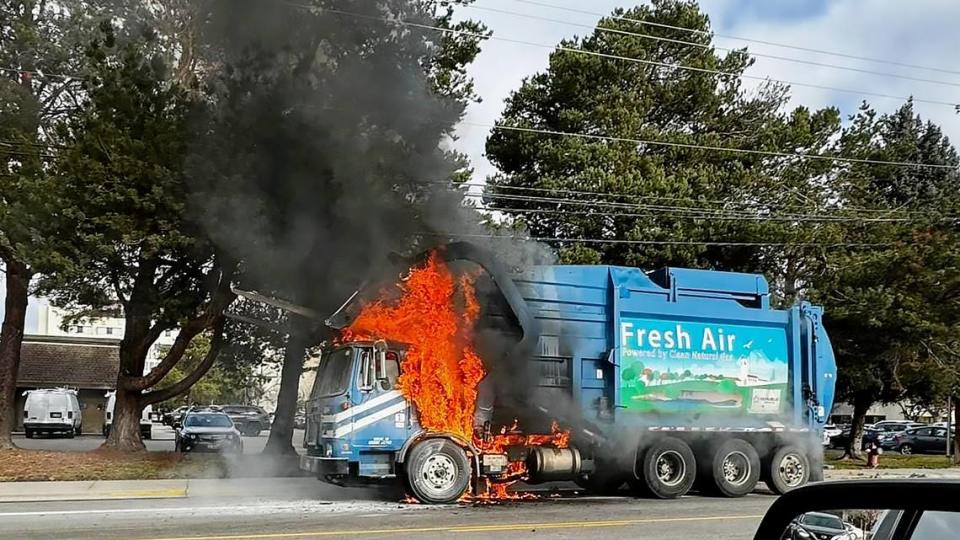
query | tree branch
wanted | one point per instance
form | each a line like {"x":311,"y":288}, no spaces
{"x":184,"y":384}
{"x":211,"y":315}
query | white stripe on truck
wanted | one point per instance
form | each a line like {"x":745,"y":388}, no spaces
{"x":371,"y":418}
{"x":363,"y":407}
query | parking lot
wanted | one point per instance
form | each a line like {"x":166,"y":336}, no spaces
{"x":161,"y":440}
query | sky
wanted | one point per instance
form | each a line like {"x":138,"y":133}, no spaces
{"x":920,"y":32}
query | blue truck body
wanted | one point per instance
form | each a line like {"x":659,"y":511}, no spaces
{"x":680,"y":367}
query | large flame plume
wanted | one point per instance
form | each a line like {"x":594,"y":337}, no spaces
{"x":434,"y":318}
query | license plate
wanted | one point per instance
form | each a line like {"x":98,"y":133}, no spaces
{"x":56,"y":415}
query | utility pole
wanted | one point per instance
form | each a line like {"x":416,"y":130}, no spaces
{"x":949,"y":423}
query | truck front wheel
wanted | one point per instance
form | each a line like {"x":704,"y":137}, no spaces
{"x":666,"y":469}
{"x":731,"y":468}
{"x":786,"y":469}
{"x":438,"y":471}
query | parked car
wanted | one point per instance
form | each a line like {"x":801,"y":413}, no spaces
{"x":207,"y":430}
{"x":146,"y":422}
{"x":52,"y":410}
{"x":818,"y":526}
{"x":870,"y":435}
{"x":895,"y":426}
{"x":170,"y":417}
{"x":249,"y":419}
{"x":922,"y":440}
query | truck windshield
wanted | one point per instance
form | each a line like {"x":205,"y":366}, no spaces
{"x":333,"y":376}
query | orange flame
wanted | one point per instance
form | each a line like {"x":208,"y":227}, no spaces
{"x":440,"y":370}
{"x":435,"y":317}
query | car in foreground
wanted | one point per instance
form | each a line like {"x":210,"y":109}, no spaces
{"x":249,"y":419}
{"x":907,"y":509}
{"x":207,"y":430}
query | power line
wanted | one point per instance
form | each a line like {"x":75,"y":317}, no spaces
{"x":655,"y":197}
{"x":39,"y":73}
{"x":691,"y":211}
{"x":706,"y":243}
{"x":706,"y":46}
{"x":625,"y":58}
{"x":750,"y":40}
{"x":608,"y":138}
{"x":719,"y":217}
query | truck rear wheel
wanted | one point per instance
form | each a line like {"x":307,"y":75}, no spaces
{"x":666,"y":469}
{"x":788,"y":468}
{"x":731,"y":468}
{"x":438,"y":471}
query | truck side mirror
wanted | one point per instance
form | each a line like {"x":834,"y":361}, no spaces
{"x":380,"y":360}
{"x":366,"y":372}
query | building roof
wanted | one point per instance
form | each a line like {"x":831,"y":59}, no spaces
{"x":69,"y":361}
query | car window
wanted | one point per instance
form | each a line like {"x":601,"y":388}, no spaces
{"x":208,"y":420}
{"x":820,"y":520}
{"x":925,"y":432}
{"x":940,"y":432}
{"x":936,"y":526}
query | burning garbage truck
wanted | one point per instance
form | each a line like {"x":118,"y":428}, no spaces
{"x":458,"y":377}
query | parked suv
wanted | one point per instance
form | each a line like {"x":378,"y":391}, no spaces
{"x":207,"y":430}
{"x":250,"y":420}
{"x":52,"y":410}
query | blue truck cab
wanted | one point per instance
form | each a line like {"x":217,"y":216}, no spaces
{"x":663,"y":378}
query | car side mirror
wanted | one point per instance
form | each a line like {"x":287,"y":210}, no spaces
{"x":874,"y":509}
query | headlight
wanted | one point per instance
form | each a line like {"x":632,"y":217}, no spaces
{"x":230,"y":436}
{"x":803,"y":534}
{"x":192,"y":435}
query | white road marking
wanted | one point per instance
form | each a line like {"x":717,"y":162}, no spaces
{"x":266,"y":508}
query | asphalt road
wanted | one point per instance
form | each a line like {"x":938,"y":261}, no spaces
{"x":346,"y":513}
{"x":161,"y":440}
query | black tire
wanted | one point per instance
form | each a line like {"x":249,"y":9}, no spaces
{"x":666,"y":469}
{"x":79,"y":430}
{"x":906,"y":449}
{"x":438,"y":471}
{"x":28,"y":433}
{"x":788,"y":468}
{"x":70,"y":434}
{"x":729,"y":468}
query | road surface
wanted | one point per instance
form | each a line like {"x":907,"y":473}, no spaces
{"x":162,"y":440}
{"x":352,"y":513}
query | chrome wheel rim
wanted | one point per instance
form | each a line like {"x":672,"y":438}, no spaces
{"x":671,"y":468}
{"x":439,"y":473}
{"x":791,"y":470}
{"x":736,"y":468}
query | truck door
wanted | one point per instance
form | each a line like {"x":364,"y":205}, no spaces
{"x":381,"y":417}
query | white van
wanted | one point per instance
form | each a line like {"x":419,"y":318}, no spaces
{"x":146,"y":423}
{"x":52,"y":410}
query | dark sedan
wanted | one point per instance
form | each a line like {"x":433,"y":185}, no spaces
{"x":869,"y":436}
{"x":250,"y":420}
{"x":209,"y":431}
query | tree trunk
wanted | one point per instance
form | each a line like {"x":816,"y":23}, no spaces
{"x":281,"y":433}
{"x":11,"y":340}
{"x":861,"y":405}
{"x":125,"y":430}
